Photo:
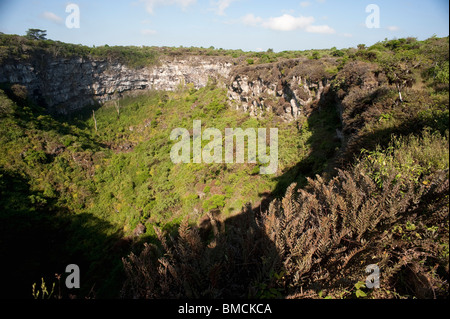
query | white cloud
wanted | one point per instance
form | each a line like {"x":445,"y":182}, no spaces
{"x":324,"y":29}
{"x":347,"y":35}
{"x":150,"y":5}
{"x":221,"y":5}
{"x":51,"y":17}
{"x":393,"y":28}
{"x":287,"y":22}
{"x":305,"y":4}
{"x":251,"y":20}
{"x":148,"y":32}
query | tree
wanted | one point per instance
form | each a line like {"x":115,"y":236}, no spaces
{"x":95,"y":120}
{"x":116,"y":97}
{"x":399,"y":71}
{"x":441,"y":73}
{"x":337,"y":53}
{"x":315,"y":55}
{"x":36,"y":34}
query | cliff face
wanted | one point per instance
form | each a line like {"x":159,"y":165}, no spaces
{"x":64,"y":85}
{"x":285,"y":88}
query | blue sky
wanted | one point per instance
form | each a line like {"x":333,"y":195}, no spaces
{"x":251,"y":25}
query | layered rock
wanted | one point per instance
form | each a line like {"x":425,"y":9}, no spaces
{"x":64,"y":85}
{"x":285,"y":88}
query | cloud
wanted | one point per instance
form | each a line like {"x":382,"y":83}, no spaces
{"x":150,"y":5}
{"x":305,"y":4}
{"x":148,"y":32}
{"x":51,"y":17}
{"x":323,"y":29}
{"x":287,"y":22}
{"x":347,"y":35}
{"x":251,"y":20}
{"x":221,"y":5}
{"x":393,"y":28}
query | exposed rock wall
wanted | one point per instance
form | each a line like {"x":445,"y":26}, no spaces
{"x":65,"y":85}
{"x":285,"y":88}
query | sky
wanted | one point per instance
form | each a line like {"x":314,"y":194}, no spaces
{"x":250,"y":25}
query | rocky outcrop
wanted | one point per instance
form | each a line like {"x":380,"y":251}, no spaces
{"x":64,"y":85}
{"x":285,"y":88}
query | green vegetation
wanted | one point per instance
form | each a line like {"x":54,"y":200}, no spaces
{"x":75,"y":190}
{"x":21,"y":48}
{"x":122,"y":173}
{"x":382,"y":199}
{"x":36,"y":34}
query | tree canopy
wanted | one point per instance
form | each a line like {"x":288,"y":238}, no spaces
{"x":37,"y":34}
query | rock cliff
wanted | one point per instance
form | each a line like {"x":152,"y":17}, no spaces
{"x":285,"y":88}
{"x":65,"y":85}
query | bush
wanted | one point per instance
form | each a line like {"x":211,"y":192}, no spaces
{"x":337,"y":53}
{"x":34,"y":157}
{"x":192,"y":265}
{"x":216,"y":201}
{"x":319,"y":230}
{"x":314,"y":238}
{"x":315,"y":55}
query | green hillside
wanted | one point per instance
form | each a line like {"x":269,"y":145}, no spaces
{"x":77,"y":190}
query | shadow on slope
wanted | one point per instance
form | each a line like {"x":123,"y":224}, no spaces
{"x":38,"y":240}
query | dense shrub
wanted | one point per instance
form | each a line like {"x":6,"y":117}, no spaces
{"x":319,"y":237}
{"x":319,"y":231}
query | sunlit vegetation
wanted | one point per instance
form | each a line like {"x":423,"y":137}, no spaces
{"x":75,"y":190}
